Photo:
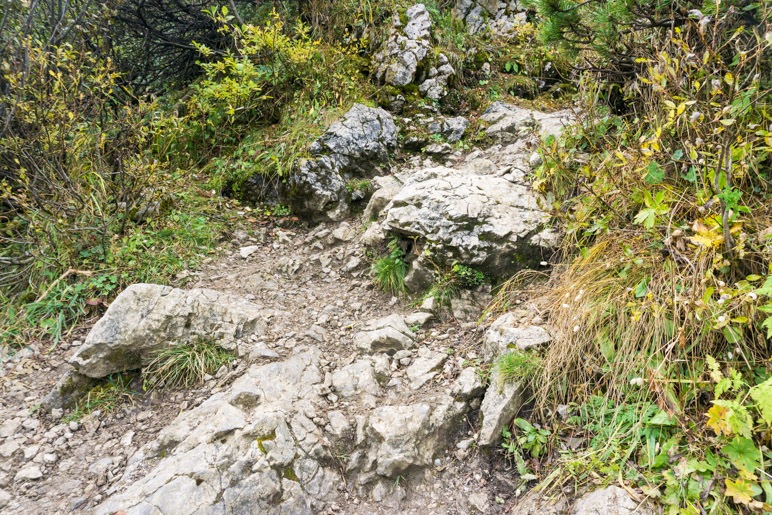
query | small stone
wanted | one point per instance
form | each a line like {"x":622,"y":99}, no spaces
{"x":31,"y":451}
{"x":28,"y":473}
{"x":5,"y":498}
{"x":50,"y":458}
{"x":10,"y":427}
{"x":8,"y":449}
{"x":73,"y":425}
{"x":245,"y":252}
{"x":57,"y":413}
{"x":30,"y":424}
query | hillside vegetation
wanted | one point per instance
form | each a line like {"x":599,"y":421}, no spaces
{"x":135,"y":135}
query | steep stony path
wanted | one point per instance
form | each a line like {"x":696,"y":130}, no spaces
{"x":317,"y":285}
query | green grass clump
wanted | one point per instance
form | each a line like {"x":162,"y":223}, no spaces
{"x":517,"y":365}
{"x":106,"y":397}
{"x":389,"y":271}
{"x":184,"y":366}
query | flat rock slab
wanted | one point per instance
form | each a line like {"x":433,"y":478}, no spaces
{"x":501,"y":403}
{"x":425,"y":367}
{"x":388,"y":334}
{"x":146,"y":318}
{"x":506,"y":334}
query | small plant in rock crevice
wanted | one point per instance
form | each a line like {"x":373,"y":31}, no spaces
{"x":517,"y":365}
{"x":389,"y":271}
{"x":184,"y":366}
{"x":452,"y":281}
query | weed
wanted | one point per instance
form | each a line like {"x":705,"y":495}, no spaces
{"x":389,"y":272}
{"x":114,"y":392}
{"x":184,"y":366}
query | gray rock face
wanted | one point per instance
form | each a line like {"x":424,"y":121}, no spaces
{"x":612,"y":499}
{"x":435,"y":86}
{"x":505,"y":334}
{"x":148,"y":317}
{"x":363,"y":134}
{"x":499,"y":406}
{"x":388,"y":186}
{"x":406,"y":47}
{"x":389,"y":334}
{"x":484,"y":221}
{"x":426,"y":366}
{"x":355,"y":146}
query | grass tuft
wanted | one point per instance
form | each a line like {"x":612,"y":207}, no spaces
{"x":185,"y":366}
{"x":389,"y":271}
{"x":114,"y":392}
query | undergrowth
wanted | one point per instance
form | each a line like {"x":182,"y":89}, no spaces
{"x":662,"y":314}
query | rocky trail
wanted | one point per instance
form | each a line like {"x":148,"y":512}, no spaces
{"x":342,"y":399}
{"x":328,"y":405}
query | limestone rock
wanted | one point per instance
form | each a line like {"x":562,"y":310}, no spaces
{"x":505,"y":333}
{"x":405,"y":49}
{"x":388,"y":187}
{"x":28,"y":473}
{"x":387,"y":334}
{"x":510,"y":122}
{"x":356,"y":145}
{"x":501,"y":17}
{"x":499,"y":406}
{"x":364,"y":134}
{"x":468,"y":385}
{"x":454,"y":128}
{"x":435,"y":86}
{"x":5,"y":498}
{"x":484,"y":221}
{"x":70,"y":387}
{"x":425,"y":367}
{"x":612,"y":499}
{"x":146,"y":318}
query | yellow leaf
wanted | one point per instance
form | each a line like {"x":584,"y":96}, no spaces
{"x":729,"y":78}
{"x":741,"y":491}
{"x":717,"y":420}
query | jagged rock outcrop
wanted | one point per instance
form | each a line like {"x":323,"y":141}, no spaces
{"x":407,"y":46}
{"x":146,"y":318}
{"x":357,"y":146}
{"x":509,"y":123}
{"x":501,"y":17}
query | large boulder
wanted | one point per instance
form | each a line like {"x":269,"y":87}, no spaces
{"x":146,"y":318}
{"x":407,"y":46}
{"x":356,"y":146}
{"x":481,"y":220}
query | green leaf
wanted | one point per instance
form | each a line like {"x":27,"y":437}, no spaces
{"x":743,"y":453}
{"x":766,"y":288}
{"x":762,"y":394}
{"x":768,"y":324}
{"x":655,"y":174}
{"x":690,"y":175}
{"x":733,"y":334}
{"x":678,"y":154}
{"x":642,"y":288}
